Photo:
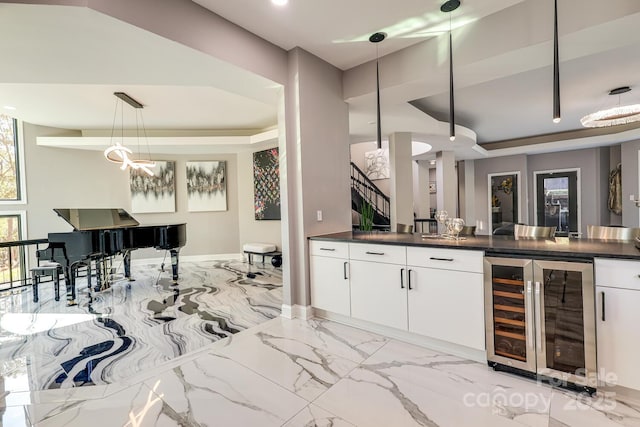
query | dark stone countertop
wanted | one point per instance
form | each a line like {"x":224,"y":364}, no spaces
{"x":559,"y":247}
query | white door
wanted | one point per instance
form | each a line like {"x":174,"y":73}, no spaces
{"x":618,"y":338}
{"x":447,"y":305}
{"x":330,"y":284}
{"x":379,"y":293}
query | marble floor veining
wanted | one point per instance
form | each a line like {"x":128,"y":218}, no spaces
{"x":284,"y":372}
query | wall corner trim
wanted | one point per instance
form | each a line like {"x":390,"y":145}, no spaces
{"x":297,"y":311}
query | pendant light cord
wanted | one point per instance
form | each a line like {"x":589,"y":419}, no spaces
{"x":379,"y":125}
{"x":452,"y":118}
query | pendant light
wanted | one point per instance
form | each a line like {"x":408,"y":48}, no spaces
{"x":556,"y":66}
{"x":117,"y":152}
{"x":448,"y":7}
{"x":377,"y":38}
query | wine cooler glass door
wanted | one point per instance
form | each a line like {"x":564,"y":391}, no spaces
{"x":565,"y":336}
{"x":509,"y":312}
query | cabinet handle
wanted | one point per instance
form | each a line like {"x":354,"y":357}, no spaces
{"x":441,"y":259}
{"x":402,"y":278}
{"x":345,"y":270}
{"x":603,"y":316}
{"x":538,"y":319}
{"x":328,"y":249}
{"x":374,"y":253}
{"x":529,"y":324}
{"x":409,"y":279}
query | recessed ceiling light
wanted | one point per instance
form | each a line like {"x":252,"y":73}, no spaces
{"x":9,"y":107}
{"x":280,"y":2}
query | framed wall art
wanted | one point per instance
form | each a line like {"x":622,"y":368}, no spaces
{"x":153,"y":194}
{"x":266,"y":184}
{"x":207,"y":186}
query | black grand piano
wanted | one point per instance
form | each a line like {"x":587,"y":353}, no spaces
{"x":100,"y":234}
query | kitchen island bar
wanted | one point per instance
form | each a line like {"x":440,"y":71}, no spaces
{"x":528,"y":306}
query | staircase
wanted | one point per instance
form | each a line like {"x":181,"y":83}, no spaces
{"x":364,"y":190}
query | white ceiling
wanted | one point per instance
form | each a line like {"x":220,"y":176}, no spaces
{"x":67,"y":61}
{"x":338,"y":31}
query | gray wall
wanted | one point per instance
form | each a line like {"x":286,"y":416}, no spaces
{"x":594,"y":165}
{"x":63,"y":178}
{"x":630,"y":183}
{"x":318,"y":139}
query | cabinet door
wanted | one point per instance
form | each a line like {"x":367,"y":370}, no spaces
{"x":618,"y":318}
{"x":378,"y":293}
{"x":447,"y":305}
{"x":330,"y":284}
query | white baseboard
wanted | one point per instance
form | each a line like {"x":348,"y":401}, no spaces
{"x":422,"y":341}
{"x":297,"y":311}
{"x":189,"y":258}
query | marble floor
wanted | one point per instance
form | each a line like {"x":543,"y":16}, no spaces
{"x":314,"y":372}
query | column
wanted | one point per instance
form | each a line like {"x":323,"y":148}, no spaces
{"x":447,"y":182}
{"x":401,"y":171}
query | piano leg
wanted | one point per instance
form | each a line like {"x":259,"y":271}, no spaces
{"x":126,"y":259}
{"x":70,"y":283}
{"x":174,"y":264}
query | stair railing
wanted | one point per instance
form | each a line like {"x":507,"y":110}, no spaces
{"x":370,"y":192}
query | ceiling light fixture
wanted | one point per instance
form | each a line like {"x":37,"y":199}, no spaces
{"x":280,"y":2}
{"x":377,"y":38}
{"x":619,"y":115}
{"x":117,"y":152}
{"x":448,"y":7}
{"x":556,"y":66}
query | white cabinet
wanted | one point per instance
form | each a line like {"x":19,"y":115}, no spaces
{"x":437,"y":293}
{"x":378,"y":293}
{"x":329,"y":272}
{"x":447,"y":305}
{"x":618,"y":317}
{"x":446,"y":295}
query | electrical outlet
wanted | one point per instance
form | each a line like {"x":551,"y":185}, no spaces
{"x":319,"y":215}
{"x":632,"y":197}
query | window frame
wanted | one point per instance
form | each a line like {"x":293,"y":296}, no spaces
{"x":22,"y":233}
{"x":21,"y":171}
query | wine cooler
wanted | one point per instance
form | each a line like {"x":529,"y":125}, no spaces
{"x":540,"y":320}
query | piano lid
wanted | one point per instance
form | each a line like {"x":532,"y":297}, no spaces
{"x":95,"y":219}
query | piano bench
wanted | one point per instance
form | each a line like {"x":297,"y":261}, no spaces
{"x":46,"y":269}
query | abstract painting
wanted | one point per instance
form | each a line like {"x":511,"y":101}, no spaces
{"x":157,"y":193}
{"x":206,"y":186}
{"x":376,"y":164}
{"x":266,"y":184}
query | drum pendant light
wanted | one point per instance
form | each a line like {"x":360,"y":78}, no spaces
{"x":556,"y":66}
{"x":448,"y":7}
{"x":377,"y":38}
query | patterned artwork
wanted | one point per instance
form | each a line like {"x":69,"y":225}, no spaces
{"x":266,"y":182}
{"x":377,"y":164}
{"x":151,"y":194}
{"x":206,"y":186}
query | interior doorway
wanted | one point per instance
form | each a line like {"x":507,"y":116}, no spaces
{"x":557,"y":200}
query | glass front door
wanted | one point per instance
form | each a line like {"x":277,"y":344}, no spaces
{"x":557,"y":201}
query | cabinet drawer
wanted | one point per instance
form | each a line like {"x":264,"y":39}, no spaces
{"x":448,"y":259}
{"x":616,"y":273}
{"x":330,"y":249}
{"x":378,"y":253}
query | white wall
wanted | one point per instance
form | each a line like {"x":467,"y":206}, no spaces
{"x":63,"y":178}
{"x":250,"y":229}
{"x":357,"y":157}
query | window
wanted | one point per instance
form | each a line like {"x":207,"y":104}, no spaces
{"x":12,"y":262}
{"x":10,"y":188}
